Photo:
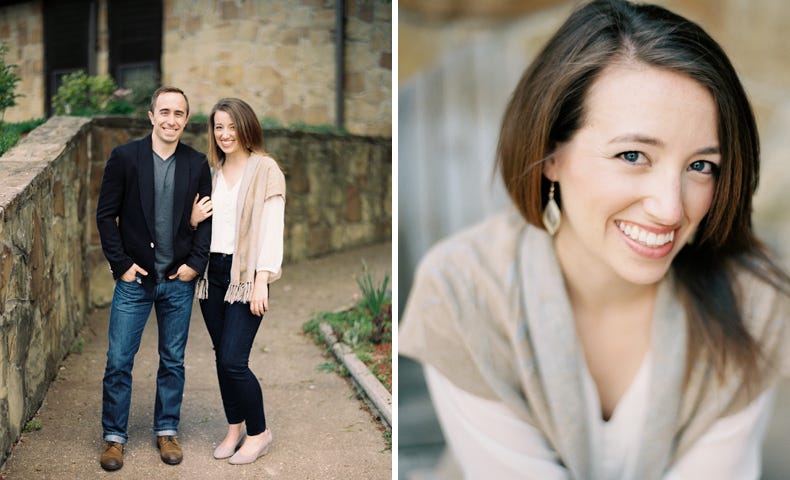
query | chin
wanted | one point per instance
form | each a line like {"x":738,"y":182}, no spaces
{"x":644,"y":274}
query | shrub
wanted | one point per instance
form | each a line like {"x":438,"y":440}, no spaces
{"x":137,"y":95}
{"x":367,"y":322}
{"x":8,"y":81}
{"x":7,"y":140}
{"x":373,"y":297}
{"x":84,"y":96}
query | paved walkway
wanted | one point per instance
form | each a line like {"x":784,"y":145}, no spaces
{"x":321,"y":430}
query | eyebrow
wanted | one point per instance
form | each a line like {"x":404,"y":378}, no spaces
{"x":639,"y":138}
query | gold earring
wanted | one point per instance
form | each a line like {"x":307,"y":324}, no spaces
{"x":551,"y":214}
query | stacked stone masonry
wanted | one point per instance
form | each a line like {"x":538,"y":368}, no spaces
{"x":52,"y":270}
{"x":278,"y":55}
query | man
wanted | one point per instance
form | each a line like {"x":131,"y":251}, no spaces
{"x":143,"y":215}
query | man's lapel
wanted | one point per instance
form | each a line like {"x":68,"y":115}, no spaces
{"x":181,"y":181}
{"x":145,"y":169}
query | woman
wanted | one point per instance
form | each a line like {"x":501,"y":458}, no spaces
{"x":623,"y":322}
{"x":248,"y":203}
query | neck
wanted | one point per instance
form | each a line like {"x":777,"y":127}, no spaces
{"x":595,"y":288}
{"x":161,"y":148}
{"x":237,"y":158}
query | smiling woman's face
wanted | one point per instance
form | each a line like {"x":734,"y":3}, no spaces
{"x":639,"y":175}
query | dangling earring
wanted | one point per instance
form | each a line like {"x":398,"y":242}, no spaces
{"x":551,"y":214}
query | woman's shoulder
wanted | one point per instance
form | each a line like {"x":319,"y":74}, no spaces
{"x":460,"y":310}
{"x":492,"y":241}
{"x":267,"y":174}
{"x":264,"y":160}
{"x":765,"y":305}
{"x":758,"y":286}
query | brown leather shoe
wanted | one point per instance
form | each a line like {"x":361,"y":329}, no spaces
{"x":169,"y":449}
{"x":112,"y":456}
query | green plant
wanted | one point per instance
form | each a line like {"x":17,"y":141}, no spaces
{"x":8,"y":81}
{"x":322,"y":129}
{"x":7,"y":140}
{"x":327,"y":367}
{"x":23,"y":127}
{"x":78,"y":346}
{"x":83,"y":95}
{"x":198,"y":118}
{"x":373,"y":297}
{"x":137,"y":94}
{"x":366,"y":327}
{"x":269,"y":123}
{"x":10,"y":133}
{"x":32,"y":426}
{"x":377,"y":300}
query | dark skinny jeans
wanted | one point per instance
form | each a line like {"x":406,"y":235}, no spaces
{"x":232,"y":328}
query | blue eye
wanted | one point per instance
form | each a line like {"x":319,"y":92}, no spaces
{"x":630,"y":157}
{"x":704,"y":166}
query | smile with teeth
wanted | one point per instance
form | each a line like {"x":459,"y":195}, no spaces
{"x":649,"y":239}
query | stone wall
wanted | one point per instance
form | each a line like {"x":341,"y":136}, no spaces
{"x":43,"y":272}
{"x":279,"y":55}
{"x":53,"y":272}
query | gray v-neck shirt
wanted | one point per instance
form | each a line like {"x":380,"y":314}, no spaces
{"x":164,"y":174}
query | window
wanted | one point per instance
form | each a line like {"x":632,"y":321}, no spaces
{"x":135,"y":28}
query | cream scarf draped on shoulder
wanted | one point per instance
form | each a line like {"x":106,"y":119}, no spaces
{"x":262,"y":180}
{"x":489,"y":310}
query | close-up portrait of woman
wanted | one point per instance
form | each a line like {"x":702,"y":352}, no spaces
{"x":620,"y":317}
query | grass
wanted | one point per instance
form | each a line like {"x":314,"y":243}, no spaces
{"x":366,"y":327}
{"x":11,"y":133}
{"x":78,"y":346}
{"x":32,"y":426}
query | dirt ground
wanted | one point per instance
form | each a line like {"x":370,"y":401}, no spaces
{"x":321,"y":429}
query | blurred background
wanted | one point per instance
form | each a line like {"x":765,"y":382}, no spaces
{"x":458,"y":62}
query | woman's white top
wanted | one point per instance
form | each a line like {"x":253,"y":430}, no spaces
{"x":489,"y":441}
{"x":223,"y":229}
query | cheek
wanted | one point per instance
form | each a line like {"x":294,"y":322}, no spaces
{"x":698,"y":200}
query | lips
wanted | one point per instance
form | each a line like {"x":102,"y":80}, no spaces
{"x":646,"y":237}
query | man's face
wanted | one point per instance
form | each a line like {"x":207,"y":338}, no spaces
{"x":169,"y":117}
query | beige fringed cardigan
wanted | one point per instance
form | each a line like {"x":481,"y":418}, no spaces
{"x":262,"y":180}
{"x":489,"y":310}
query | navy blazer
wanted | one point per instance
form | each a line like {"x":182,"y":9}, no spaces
{"x":127,"y":194}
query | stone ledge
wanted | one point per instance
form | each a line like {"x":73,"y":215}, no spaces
{"x":377,"y":396}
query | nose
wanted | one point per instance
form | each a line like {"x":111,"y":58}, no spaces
{"x":663,"y":200}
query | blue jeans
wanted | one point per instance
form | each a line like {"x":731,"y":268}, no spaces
{"x":131,"y":306}
{"x":232,"y":328}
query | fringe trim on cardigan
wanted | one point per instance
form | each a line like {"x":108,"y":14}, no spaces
{"x":201,"y":288}
{"x":239,"y":292}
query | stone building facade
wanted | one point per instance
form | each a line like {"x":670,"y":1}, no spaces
{"x":279,"y":55}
